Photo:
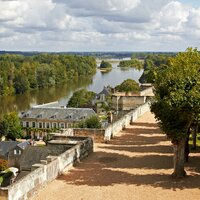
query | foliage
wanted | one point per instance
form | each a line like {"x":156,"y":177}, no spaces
{"x":177,"y":94}
{"x":21,"y":73}
{"x":177,"y":102}
{"x":151,"y":63}
{"x":5,"y":177}
{"x":128,"y":85}
{"x":10,"y":126}
{"x":3,"y":164}
{"x":47,"y":138}
{"x":92,"y":122}
{"x":105,"y":65}
{"x":135,"y":63}
{"x":143,"y":55}
{"x":81,"y":98}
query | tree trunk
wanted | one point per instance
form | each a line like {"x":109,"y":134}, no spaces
{"x":187,"y":149}
{"x":179,"y":158}
{"x":194,"y":137}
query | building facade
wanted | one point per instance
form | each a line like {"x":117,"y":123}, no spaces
{"x":54,"y":117}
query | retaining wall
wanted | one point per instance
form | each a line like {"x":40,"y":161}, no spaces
{"x":102,"y":135}
{"x":130,"y":117}
{"x":44,"y":173}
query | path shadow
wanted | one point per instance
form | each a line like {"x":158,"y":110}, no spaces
{"x":145,"y":124}
{"x":138,"y":137}
{"x":141,"y":149}
{"x":135,"y":158}
{"x":108,"y":171}
{"x":146,"y":131}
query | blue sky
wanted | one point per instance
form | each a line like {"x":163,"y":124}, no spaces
{"x":93,"y":25}
{"x":194,"y":3}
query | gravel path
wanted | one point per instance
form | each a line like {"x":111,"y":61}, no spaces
{"x":136,"y":165}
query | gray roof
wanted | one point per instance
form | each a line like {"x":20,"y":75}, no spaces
{"x":105,"y":91}
{"x":68,"y":114}
{"x":24,"y":144}
{"x":6,"y":146}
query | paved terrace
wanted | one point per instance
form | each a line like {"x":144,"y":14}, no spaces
{"x":136,"y":165}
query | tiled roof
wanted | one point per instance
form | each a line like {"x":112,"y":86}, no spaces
{"x":69,"y":114}
{"x":6,"y":146}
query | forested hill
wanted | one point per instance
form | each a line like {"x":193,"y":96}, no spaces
{"x":20,"y":73}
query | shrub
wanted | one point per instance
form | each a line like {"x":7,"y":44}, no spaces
{"x":3,"y":164}
{"x":92,"y":122}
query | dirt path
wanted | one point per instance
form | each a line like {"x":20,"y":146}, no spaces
{"x":134,"y":166}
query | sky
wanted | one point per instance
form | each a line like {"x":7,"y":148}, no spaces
{"x":99,"y":25}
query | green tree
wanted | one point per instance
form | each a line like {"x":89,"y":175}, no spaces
{"x":10,"y":126}
{"x":105,"y":65}
{"x":177,"y":101}
{"x":21,"y":83}
{"x":151,"y":63}
{"x":128,"y":85}
{"x":135,"y":63}
{"x":20,"y":73}
{"x":81,"y":98}
{"x":92,"y":122}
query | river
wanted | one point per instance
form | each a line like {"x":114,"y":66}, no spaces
{"x":63,"y":92}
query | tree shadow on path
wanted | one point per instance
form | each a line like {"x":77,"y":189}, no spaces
{"x":135,"y":158}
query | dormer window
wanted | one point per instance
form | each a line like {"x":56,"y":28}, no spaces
{"x":40,"y":116}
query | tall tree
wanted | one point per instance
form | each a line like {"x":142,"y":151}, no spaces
{"x":128,"y":85}
{"x":177,"y":101}
{"x":10,"y":126}
{"x":81,"y":98}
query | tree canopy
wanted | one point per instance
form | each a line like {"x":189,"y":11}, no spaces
{"x":151,"y":63}
{"x":128,"y":85}
{"x":177,"y":100}
{"x":134,"y":63}
{"x":105,"y":65}
{"x":81,"y":98}
{"x":92,"y":122}
{"x":21,"y":73}
{"x":10,"y":126}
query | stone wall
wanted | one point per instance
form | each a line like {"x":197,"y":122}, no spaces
{"x":47,"y":171}
{"x":96,"y":134}
{"x":127,"y":102}
{"x":102,"y":135}
{"x":147,"y":91}
{"x":130,"y":117}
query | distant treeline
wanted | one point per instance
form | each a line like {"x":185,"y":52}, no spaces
{"x":134,"y":63}
{"x":20,"y":73}
{"x":144,"y":55}
{"x":102,"y":55}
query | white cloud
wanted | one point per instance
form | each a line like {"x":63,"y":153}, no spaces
{"x":63,"y":25}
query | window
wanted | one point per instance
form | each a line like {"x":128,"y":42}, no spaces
{"x":17,"y":152}
{"x":27,"y":124}
{"x":55,"y":125}
{"x":47,"y":125}
{"x":40,"y":124}
{"x":33,"y":124}
{"x":62,"y":125}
